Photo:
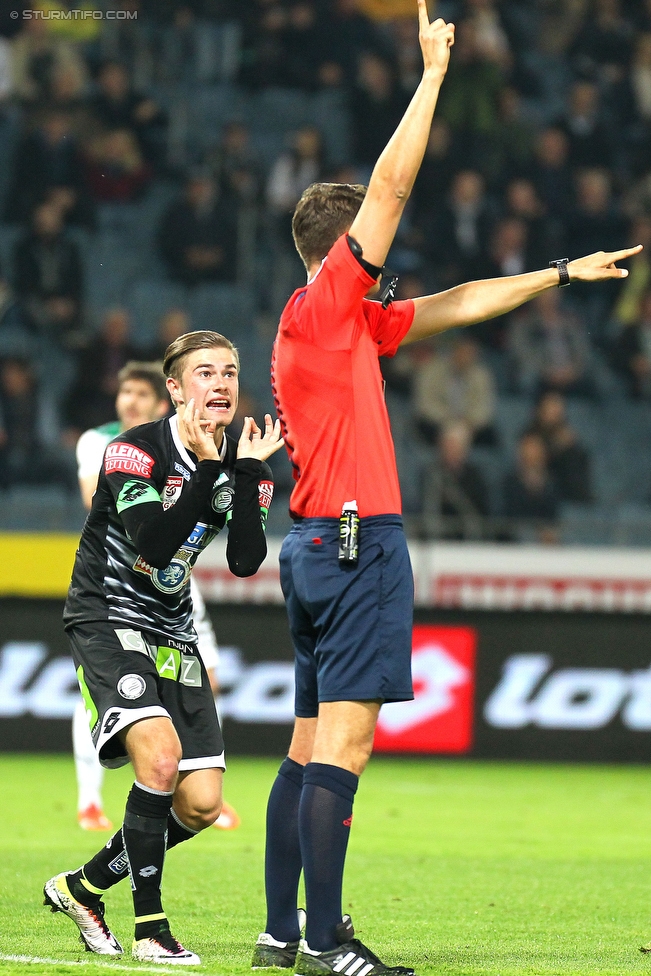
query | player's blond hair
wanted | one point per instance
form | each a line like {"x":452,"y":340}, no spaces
{"x":324,"y":212}
{"x":178,"y":350}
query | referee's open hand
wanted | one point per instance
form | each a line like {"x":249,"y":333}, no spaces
{"x":435,"y":39}
{"x":252,"y":442}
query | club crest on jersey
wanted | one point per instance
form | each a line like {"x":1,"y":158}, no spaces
{"x":222,"y":500}
{"x":169,"y":580}
{"x":172,"y":492}
{"x":128,"y":459}
{"x":132,"y":686}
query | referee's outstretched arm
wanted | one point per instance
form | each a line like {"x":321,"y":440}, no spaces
{"x":477,"y":301}
{"x":393,"y":177}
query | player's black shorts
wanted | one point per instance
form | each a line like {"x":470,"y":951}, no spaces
{"x":351,"y":626}
{"x":127,"y":674}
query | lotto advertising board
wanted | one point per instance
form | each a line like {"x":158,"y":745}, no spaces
{"x":524,"y":685}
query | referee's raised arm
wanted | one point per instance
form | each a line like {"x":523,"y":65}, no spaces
{"x":393,"y":177}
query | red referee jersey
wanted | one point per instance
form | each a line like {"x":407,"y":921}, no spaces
{"x":329,"y":392}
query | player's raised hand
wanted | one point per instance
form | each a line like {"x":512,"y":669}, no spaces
{"x":435,"y":39}
{"x":601,"y":265}
{"x":199,"y":434}
{"x":254,"y":444}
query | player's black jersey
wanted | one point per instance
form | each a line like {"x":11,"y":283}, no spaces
{"x":154,"y":511}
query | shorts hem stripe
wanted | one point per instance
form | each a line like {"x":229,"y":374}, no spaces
{"x":203,"y":762}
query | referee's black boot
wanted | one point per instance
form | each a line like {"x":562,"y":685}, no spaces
{"x":271,"y":954}
{"x":350,"y":958}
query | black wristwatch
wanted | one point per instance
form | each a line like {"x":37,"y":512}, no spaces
{"x":563,"y":274}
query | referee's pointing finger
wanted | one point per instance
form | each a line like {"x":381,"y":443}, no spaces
{"x":423,"y":16}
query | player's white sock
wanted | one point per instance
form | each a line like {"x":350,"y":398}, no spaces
{"x":90,"y":774}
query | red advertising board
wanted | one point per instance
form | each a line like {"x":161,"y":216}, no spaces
{"x":440,"y":718}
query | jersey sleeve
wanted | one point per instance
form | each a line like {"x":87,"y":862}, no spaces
{"x":130,"y":468}
{"x":327,"y":311}
{"x":389,"y":326}
{"x":89,"y":452}
{"x":247,"y":544}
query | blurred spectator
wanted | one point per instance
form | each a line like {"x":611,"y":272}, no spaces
{"x":48,"y":158}
{"x":455,"y":495}
{"x":469,"y":100}
{"x":455,"y":387}
{"x":631,"y":354}
{"x":6,"y":79}
{"x":115,"y":169}
{"x":236,"y":164}
{"x":523,"y":203}
{"x":48,"y":274}
{"x":293,"y":172}
{"x":529,"y":493}
{"x":490,"y":36}
{"x":508,"y":252}
{"x":197,"y":236}
{"x":596,"y":223}
{"x":15,"y":325}
{"x":376,"y":105}
{"x":346,"y":32}
{"x":602,"y":50}
{"x":627,"y":308}
{"x":435,"y":175}
{"x":302,"y":46}
{"x":631,"y":103}
{"x":569,"y":461}
{"x":37,"y":55}
{"x":174,"y":323}
{"x":92,"y":399}
{"x":117,"y":106}
{"x":589,"y":141}
{"x":457,"y":235}
{"x":551,"y":173}
{"x":550,"y":347}
{"x":408,"y":57}
{"x":640,"y":77}
{"x":25,"y":457}
{"x":513,"y":140}
{"x":262,"y":59}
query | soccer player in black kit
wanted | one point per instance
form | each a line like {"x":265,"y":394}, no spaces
{"x":164,"y":492}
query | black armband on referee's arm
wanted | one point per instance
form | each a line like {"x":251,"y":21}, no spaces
{"x":157,"y":534}
{"x":356,"y":251}
{"x":247,"y":543}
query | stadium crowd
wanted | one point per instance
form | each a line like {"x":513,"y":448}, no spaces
{"x":149,"y":165}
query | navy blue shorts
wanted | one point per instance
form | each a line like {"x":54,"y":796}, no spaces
{"x":351,"y":625}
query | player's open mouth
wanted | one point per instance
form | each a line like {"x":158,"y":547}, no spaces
{"x":218,"y":403}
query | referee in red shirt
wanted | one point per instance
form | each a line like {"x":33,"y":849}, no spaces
{"x":345,"y":567}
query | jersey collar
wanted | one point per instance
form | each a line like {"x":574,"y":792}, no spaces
{"x":181,"y":448}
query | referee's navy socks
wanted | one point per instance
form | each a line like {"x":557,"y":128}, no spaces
{"x":145,"y":836}
{"x":111,"y":865}
{"x":325,"y":816}
{"x":282,"y":866}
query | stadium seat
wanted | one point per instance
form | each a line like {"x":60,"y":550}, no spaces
{"x":147,"y":302}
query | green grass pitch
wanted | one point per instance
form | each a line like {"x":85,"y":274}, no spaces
{"x":454,"y":867}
